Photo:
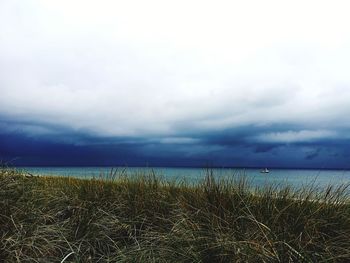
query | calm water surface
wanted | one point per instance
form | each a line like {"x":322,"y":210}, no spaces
{"x":292,"y":177}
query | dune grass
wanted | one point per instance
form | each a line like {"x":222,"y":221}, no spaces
{"x":143,"y":218}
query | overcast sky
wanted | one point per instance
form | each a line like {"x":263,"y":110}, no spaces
{"x":245,"y":83}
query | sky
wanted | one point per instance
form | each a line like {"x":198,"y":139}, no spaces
{"x":175,"y":83}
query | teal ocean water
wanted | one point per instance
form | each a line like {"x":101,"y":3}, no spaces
{"x":293,"y":177}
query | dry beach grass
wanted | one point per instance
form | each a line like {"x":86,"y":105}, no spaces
{"x":143,"y":218}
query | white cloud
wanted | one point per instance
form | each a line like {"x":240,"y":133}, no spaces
{"x":178,"y":140}
{"x":154,"y":67}
{"x":296,"y":136}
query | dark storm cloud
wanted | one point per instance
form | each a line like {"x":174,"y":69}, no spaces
{"x":225,"y":148}
{"x":312,"y":154}
{"x":89,"y":83}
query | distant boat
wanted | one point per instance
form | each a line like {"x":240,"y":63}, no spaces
{"x":265,"y":171}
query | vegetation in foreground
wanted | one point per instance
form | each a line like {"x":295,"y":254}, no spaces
{"x":145,"y":219}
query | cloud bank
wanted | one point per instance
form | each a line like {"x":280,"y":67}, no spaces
{"x":189,"y":78}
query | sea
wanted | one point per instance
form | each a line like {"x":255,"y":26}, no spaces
{"x":296,"y":178}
